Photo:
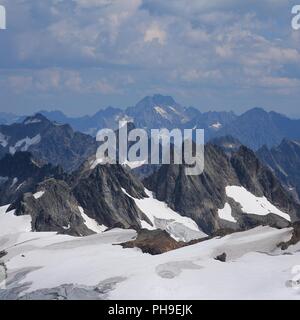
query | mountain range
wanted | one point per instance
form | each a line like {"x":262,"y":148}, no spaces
{"x":254,"y":128}
{"x":48,"y":141}
{"x":55,"y":198}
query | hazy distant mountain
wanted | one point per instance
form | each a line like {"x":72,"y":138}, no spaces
{"x":257,"y":127}
{"x":284,"y":160}
{"x":106,"y":118}
{"x":157,"y":112}
{"x":227,"y":143}
{"x":253,"y":128}
{"x":152,"y":112}
{"x":212,"y":122}
{"x":9,"y":118}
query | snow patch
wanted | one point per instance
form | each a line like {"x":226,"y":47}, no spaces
{"x":252,"y":204}
{"x":32,"y":121}
{"x":226,"y":213}
{"x":162,"y":217}
{"x":25,"y":144}
{"x":296,"y":142}
{"x":216,"y":126}
{"x":3,"y":140}
{"x":11,"y":224}
{"x":161,"y":111}
{"x":39,"y":194}
{"x":15,"y":180}
{"x":91,"y":224}
{"x":124,"y":119}
{"x":134,"y":164}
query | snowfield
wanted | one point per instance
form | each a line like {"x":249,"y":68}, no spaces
{"x":252,"y":204}
{"x":51,"y":266}
{"x":162,"y":217}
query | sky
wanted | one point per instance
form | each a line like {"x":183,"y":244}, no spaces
{"x":82,"y":55}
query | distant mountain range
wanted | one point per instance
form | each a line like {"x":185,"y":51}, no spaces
{"x":254,"y":128}
{"x":36,"y":152}
{"x":51,"y":197}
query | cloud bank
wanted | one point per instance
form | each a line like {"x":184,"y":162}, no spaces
{"x":79,"y":55}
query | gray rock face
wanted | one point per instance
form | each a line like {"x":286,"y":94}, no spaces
{"x":200,"y":197}
{"x":53,"y":201}
{"x":260,"y":181}
{"x":48,"y":142}
{"x":154,"y":112}
{"x":99,"y":192}
{"x":56,"y":209}
{"x":20,"y":173}
{"x":53,"y":198}
{"x":284,"y":160}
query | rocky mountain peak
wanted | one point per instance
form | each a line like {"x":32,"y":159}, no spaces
{"x":156,"y":100}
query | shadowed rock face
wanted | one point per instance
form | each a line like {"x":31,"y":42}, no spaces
{"x":21,"y":173}
{"x":294,"y":239}
{"x":261,"y":181}
{"x":200,"y":197}
{"x":100,"y":193}
{"x":54,"y":204}
{"x":51,"y":143}
{"x":257,"y":127}
{"x":56,"y":209}
{"x":284,"y":160}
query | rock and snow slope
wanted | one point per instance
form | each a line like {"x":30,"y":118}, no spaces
{"x":254,"y":205}
{"x":50,"y":266}
{"x":162,"y":217}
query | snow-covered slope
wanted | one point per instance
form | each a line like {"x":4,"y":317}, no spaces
{"x":11,"y":224}
{"x":91,"y":223}
{"x":252,"y":204}
{"x":162,"y":217}
{"x":226,"y":213}
{"x":49,"y":266}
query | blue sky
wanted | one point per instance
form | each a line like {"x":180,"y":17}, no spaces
{"x":82,"y":55}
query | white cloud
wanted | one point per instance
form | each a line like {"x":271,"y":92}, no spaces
{"x":136,"y":47}
{"x":155,"y":32}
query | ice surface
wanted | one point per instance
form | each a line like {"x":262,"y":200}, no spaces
{"x":255,"y":268}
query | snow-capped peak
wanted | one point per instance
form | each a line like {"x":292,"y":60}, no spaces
{"x":216,"y":126}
